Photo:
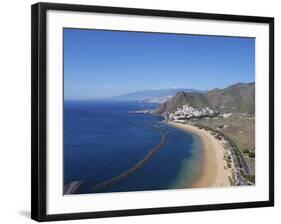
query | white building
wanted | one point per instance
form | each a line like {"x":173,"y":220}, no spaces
{"x":186,"y":112}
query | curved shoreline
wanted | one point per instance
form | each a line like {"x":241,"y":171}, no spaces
{"x":213,"y":172}
{"x":138,"y":165}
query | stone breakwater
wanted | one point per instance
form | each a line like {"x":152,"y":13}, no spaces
{"x":73,"y":187}
{"x":138,"y":165}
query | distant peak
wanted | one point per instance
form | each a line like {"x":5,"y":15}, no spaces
{"x":180,"y":93}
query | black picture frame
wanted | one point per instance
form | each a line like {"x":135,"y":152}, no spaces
{"x":38,"y":108}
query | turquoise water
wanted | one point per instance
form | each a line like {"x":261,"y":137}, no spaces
{"x":103,"y":139}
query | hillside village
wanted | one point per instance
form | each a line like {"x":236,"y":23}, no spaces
{"x":186,"y":112}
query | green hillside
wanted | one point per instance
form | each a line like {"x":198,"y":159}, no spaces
{"x":238,"y":98}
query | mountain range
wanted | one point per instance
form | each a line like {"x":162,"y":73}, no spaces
{"x":153,"y":95}
{"x":239,"y":98}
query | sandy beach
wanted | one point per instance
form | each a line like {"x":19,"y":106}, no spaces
{"x":214,"y":172}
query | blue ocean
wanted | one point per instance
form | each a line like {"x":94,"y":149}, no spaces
{"x":104,"y":139}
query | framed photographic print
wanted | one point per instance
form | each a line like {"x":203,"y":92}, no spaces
{"x":139,"y":111}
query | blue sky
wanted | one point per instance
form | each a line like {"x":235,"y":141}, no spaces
{"x":100,"y":64}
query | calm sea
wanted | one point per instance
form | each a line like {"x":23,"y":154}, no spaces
{"x":104,"y":139}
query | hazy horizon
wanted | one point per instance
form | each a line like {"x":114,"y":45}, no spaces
{"x":110,"y":97}
{"x":102,"y":64}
